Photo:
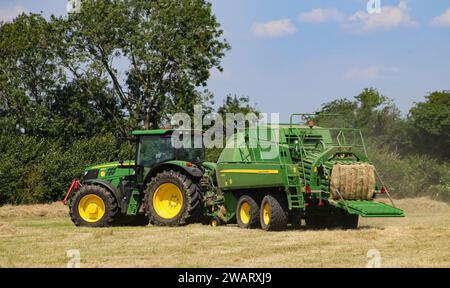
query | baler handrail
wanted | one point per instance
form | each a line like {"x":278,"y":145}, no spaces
{"x":342,"y":198}
{"x":363,"y":144}
{"x":292,"y":117}
{"x":311,"y":114}
{"x":385,"y":188}
{"x":355,"y":132}
{"x":337,"y":138}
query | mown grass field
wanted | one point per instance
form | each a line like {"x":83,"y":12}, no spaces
{"x":40,"y":235}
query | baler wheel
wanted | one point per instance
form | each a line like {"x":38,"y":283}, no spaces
{"x":172,"y":199}
{"x":247,"y":212}
{"x":94,"y":206}
{"x":273,"y":213}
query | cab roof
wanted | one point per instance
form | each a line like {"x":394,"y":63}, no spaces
{"x":152,"y":132}
{"x":160,"y":132}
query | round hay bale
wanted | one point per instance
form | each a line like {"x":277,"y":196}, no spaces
{"x":354,"y":181}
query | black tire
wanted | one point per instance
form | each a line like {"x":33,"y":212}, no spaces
{"x":111,"y":207}
{"x":191,"y":207}
{"x":277,"y":216}
{"x":350,"y":221}
{"x":253,"y":213}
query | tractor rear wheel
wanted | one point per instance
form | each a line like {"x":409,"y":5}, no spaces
{"x":273,"y":213}
{"x":94,"y":206}
{"x":172,"y":199}
{"x":247,"y":212}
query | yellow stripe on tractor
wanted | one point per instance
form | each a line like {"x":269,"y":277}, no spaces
{"x":111,"y":165}
{"x":250,"y":171}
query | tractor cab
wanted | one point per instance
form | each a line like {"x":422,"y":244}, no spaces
{"x":157,"y":146}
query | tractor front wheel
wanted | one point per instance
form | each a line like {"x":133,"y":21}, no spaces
{"x":93,"y":206}
{"x":172,"y":199}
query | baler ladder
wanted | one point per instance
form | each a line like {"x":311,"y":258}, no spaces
{"x":293,"y":190}
{"x":292,"y":184}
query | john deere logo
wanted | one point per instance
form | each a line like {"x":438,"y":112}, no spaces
{"x":103,"y":173}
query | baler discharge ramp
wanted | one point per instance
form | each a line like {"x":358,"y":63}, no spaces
{"x":369,"y":208}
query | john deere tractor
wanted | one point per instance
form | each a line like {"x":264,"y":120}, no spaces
{"x":295,"y":173}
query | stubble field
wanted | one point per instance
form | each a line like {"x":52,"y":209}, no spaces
{"x":41,"y":235}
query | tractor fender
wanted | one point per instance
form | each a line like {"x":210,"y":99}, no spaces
{"x":189,"y":171}
{"x":107,"y":186}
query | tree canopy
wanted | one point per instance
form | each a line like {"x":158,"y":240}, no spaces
{"x":131,"y":62}
{"x":375,"y":114}
{"x":430,"y":124}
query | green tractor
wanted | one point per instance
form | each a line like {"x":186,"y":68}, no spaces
{"x":297,"y":172}
{"x":162,"y":182}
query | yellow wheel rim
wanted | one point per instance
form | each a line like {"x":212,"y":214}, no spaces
{"x":91,"y":208}
{"x":244,"y":212}
{"x":168,"y":200}
{"x":266,"y":213}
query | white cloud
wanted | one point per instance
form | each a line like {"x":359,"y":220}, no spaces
{"x":277,"y":28}
{"x":369,"y":73}
{"x":9,"y":13}
{"x":390,"y":17}
{"x":442,"y":20}
{"x":319,"y":15}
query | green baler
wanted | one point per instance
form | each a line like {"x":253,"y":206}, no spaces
{"x":296,"y":182}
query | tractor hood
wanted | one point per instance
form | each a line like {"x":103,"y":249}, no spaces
{"x":111,"y":171}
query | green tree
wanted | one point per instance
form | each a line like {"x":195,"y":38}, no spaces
{"x":232,"y":104}
{"x":237,"y":104}
{"x":169,"y":47}
{"x":430,"y":125}
{"x":28,"y":73}
{"x":375,"y":114}
{"x":37,"y":96}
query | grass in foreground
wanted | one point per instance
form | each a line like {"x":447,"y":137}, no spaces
{"x":40,"y":236}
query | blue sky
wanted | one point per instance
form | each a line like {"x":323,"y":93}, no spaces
{"x":292,"y":55}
